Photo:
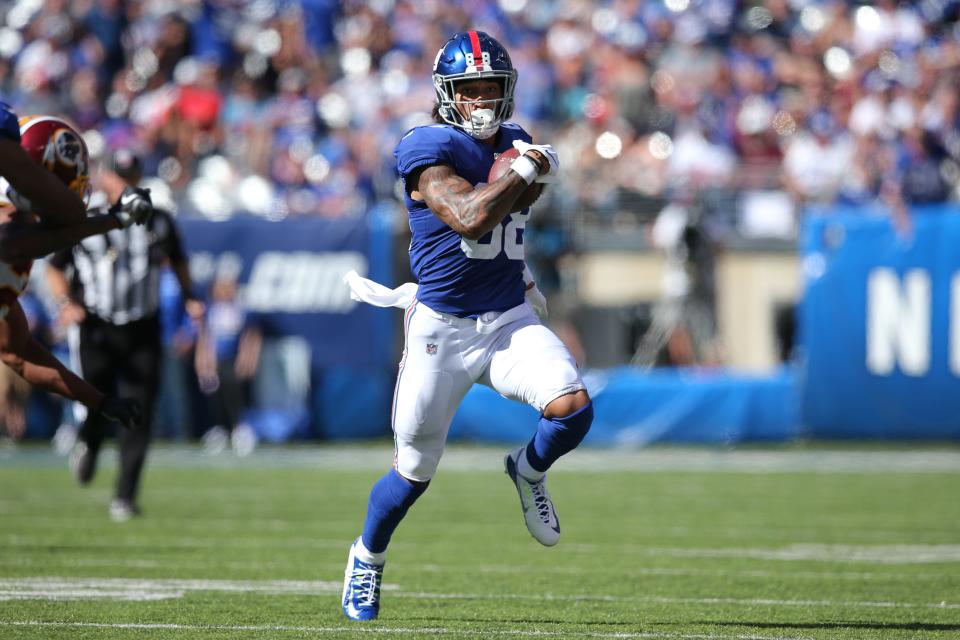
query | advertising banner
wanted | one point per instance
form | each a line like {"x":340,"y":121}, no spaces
{"x":880,"y":326}
{"x":291,"y":279}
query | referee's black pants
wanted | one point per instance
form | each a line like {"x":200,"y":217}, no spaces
{"x":122,"y":360}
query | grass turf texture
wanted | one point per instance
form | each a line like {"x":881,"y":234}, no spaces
{"x":255,"y":548}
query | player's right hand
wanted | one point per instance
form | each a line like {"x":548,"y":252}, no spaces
{"x":123,"y":410}
{"x":134,"y":206}
{"x":545,"y":151}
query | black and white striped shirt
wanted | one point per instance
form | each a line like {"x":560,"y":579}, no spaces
{"x":116,"y":276}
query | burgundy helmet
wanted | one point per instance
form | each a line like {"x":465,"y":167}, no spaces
{"x":58,"y":147}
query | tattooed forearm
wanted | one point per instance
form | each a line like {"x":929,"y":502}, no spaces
{"x":470,"y":212}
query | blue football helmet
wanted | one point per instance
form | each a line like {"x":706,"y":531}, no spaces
{"x":473,"y":55}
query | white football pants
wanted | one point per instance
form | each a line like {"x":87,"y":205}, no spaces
{"x":510,"y":352}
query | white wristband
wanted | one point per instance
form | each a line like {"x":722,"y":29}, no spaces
{"x":526,"y":168}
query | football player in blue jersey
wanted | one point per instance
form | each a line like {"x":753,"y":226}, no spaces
{"x":44,"y":162}
{"x":472,"y":317}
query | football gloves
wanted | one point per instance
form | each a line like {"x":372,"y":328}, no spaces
{"x":548,"y":152}
{"x":123,"y":410}
{"x":134,"y":206}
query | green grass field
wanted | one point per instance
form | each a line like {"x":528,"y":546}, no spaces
{"x":663,"y":543}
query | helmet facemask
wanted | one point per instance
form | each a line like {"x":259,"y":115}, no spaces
{"x":484,"y":122}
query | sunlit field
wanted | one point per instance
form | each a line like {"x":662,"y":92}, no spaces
{"x":663,"y":543}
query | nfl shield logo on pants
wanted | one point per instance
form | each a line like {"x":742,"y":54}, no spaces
{"x":431,"y":349}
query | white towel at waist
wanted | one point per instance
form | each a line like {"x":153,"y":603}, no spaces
{"x":378,"y":295}
{"x":365,"y":290}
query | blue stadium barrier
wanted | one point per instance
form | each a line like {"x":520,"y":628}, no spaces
{"x":634,"y":408}
{"x":880,"y":325}
{"x":351,"y":403}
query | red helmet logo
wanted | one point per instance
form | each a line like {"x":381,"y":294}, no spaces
{"x":58,"y":147}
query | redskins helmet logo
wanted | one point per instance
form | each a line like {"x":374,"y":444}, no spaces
{"x":66,"y":150}
{"x":64,"y":147}
{"x":58,"y":147}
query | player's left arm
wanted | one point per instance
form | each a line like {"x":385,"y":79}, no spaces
{"x":20,"y":242}
{"x":471,"y":212}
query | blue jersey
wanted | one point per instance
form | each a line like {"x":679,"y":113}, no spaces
{"x":9,"y":125}
{"x":456,"y":275}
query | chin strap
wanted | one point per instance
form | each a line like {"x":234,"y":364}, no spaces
{"x":483,"y":124}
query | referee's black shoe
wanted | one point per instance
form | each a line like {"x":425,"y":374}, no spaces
{"x":83,"y":462}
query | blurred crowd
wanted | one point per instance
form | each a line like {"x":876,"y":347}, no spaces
{"x":752,"y":109}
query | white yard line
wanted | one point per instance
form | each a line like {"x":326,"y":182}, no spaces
{"x":377,"y":628}
{"x":66,"y":588}
{"x":801,"y":552}
{"x":872,"y":554}
{"x":671,"y":600}
{"x":240,"y":542}
{"x":865,"y":576}
{"x":133,"y":589}
{"x":622,"y":570}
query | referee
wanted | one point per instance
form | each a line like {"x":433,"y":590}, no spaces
{"x":107,"y":288}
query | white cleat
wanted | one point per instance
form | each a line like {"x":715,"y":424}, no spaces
{"x":361,"y":587}
{"x":538,"y":511}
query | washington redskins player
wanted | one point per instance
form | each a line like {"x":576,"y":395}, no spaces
{"x":45,"y":164}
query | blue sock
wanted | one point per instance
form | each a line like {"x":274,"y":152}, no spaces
{"x":557,"y":436}
{"x":390,"y":498}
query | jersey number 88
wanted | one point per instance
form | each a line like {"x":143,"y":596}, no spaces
{"x":507,"y":238}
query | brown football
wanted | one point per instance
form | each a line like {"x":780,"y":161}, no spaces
{"x":501,"y":165}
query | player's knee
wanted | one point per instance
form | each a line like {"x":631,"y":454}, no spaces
{"x":577,"y":419}
{"x":569,"y":430}
{"x":417,"y":467}
{"x":567,"y":405}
